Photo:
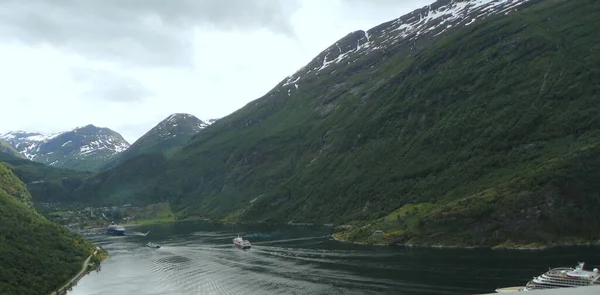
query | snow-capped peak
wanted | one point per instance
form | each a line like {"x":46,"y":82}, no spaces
{"x":164,"y":129}
{"x":86,"y":143}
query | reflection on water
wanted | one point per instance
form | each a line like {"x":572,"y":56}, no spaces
{"x":199,"y":258}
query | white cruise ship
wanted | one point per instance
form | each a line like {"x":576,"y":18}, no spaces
{"x":564,"y":277}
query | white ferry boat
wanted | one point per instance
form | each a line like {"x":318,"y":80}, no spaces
{"x":240,"y":242}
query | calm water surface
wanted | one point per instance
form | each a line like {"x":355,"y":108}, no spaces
{"x":199,"y":258}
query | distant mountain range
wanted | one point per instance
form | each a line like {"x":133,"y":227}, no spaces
{"x":92,"y":148}
{"x":84,"y":148}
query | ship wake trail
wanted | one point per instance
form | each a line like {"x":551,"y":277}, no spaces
{"x":137,"y":233}
{"x":291,"y":240}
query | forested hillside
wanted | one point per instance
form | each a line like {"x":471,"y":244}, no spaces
{"x":46,"y":183}
{"x":494,"y":125}
{"x":37,"y":256}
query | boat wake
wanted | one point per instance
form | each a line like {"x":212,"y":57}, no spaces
{"x":137,"y":233}
{"x":283,"y":241}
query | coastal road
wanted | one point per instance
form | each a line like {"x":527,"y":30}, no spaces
{"x":77,"y":276}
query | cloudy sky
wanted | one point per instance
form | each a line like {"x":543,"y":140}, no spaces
{"x":128,"y":64}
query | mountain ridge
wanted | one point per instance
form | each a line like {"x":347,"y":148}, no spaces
{"x":414,"y":26}
{"x":169,"y":134}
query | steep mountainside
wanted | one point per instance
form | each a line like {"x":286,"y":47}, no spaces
{"x":465,"y":122}
{"x":8,"y":149}
{"x":84,"y":148}
{"x":171,"y":133}
{"x":46,"y":183}
{"x":37,"y":255}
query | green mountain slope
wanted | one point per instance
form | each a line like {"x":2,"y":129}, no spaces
{"x":484,"y":134}
{"x":46,"y":183}
{"x":168,"y":135}
{"x":6,"y":148}
{"x":37,"y":255}
{"x":138,"y":181}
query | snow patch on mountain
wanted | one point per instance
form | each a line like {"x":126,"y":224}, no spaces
{"x":170,"y":133}
{"x":165,"y":129}
{"x":430,"y":21}
{"x":87,"y":143}
{"x":27,"y":143}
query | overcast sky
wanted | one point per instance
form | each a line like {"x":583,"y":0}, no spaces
{"x":128,"y":64}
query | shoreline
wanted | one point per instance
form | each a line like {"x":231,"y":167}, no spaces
{"x":520,"y":247}
{"x":144,"y":222}
{"x":501,"y":246}
{"x":73,"y":281}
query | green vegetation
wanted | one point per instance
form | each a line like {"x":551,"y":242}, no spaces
{"x":512,"y":149}
{"x":45,"y":183}
{"x":151,"y":214}
{"x":97,"y":258}
{"x":136,"y":181}
{"x":37,"y":255}
{"x":7,"y":149}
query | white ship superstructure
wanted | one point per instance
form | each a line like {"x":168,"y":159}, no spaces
{"x":564,"y":277}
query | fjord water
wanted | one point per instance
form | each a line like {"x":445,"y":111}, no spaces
{"x":199,"y":258}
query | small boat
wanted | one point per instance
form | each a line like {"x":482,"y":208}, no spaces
{"x":114,"y":229}
{"x":152,"y":245}
{"x":240,"y":242}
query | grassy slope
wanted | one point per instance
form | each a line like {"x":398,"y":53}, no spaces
{"x":37,"y":255}
{"x":492,"y":129}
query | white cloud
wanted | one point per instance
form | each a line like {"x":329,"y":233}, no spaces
{"x":128,"y":65}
